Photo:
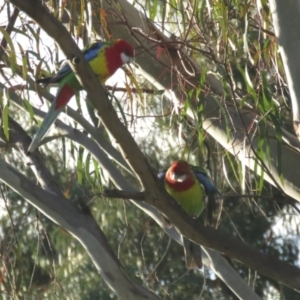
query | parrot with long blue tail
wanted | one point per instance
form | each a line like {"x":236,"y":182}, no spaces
{"x":189,"y":186}
{"x":104,"y":58}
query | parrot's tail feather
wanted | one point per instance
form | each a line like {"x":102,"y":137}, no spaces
{"x":63,"y":97}
{"x":44,"y":81}
{"x":45,"y":126}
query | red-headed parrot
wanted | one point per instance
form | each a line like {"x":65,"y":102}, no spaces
{"x":104,"y":58}
{"x":189,"y":185}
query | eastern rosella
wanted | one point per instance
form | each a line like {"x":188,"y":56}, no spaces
{"x":188,"y":185}
{"x":104,"y":58}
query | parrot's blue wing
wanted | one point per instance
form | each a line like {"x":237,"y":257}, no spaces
{"x":92,"y":51}
{"x":204,"y":179}
{"x":213,"y":206}
{"x":89,"y":53}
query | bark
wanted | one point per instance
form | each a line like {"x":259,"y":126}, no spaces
{"x":83,"y":227}
{"x":155,"y":194}
{"x":220,"y":117}
{"x":211,"y":258}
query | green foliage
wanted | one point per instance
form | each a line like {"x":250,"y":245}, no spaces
{"x":230,"y":40}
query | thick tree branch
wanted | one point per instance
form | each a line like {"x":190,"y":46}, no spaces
{"x":83,"y":227}
{"x":20,"y":139}
{"x":161,"y":73}
{"x":155,"y":194}
{"x":139,"y":196}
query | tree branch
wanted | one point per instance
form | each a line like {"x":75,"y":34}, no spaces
{"x":83,"y":227}
{"x":138,"y":196}
{"x":154,"y":192}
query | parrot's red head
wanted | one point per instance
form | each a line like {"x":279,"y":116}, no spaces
{"x":119,"y":53}
{"x":179,"y":176}
{"x":125,"y":51}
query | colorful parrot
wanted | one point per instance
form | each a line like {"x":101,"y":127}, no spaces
{"x":189,"y":186}
{"x":104,"y":58}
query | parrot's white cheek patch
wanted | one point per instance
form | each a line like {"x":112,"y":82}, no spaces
{"x":178,"y":178}
{"x":125,"y":58}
